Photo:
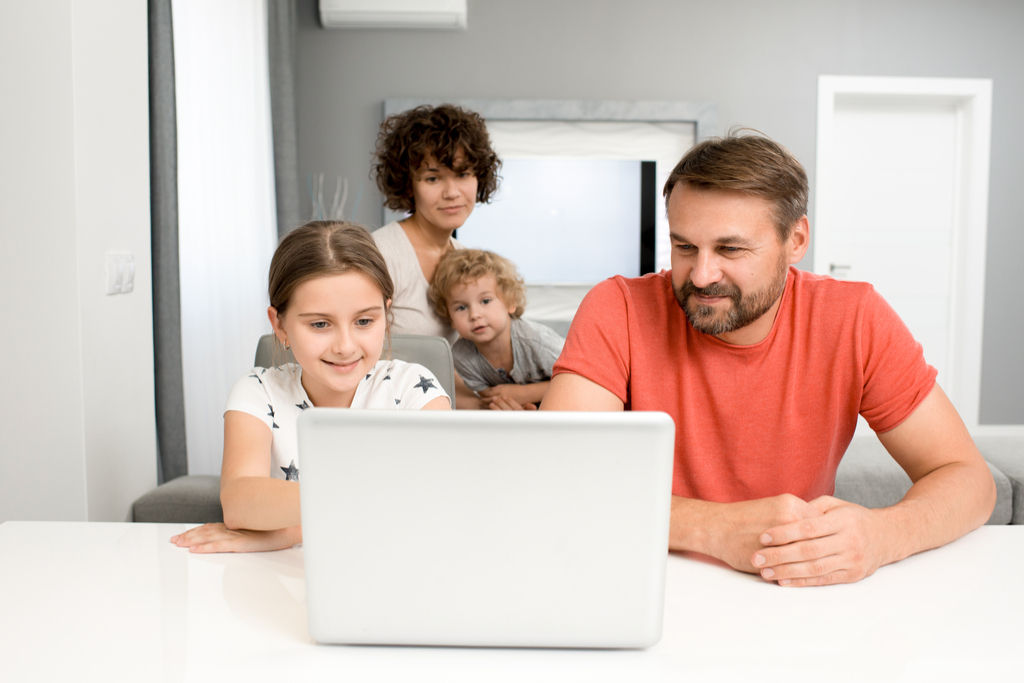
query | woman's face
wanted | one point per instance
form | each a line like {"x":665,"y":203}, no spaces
{"x":444,"y":198}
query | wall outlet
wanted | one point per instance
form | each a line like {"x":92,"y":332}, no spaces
{"x":120,"y":273}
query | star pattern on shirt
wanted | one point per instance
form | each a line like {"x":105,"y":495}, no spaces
{"x":303,"y":405}
{"x":271,"y":415}
{"x":256,"y":377}
{"x":368,"y":375}
{"x":424,"y":384}
{"x":291,"y":473}
{"x":397,"y":401}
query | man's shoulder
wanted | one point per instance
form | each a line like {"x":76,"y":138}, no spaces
{"x":824,"y":291}
{"x":651,"y":289}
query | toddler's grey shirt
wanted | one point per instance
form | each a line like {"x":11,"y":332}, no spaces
{"x":535,"y":348}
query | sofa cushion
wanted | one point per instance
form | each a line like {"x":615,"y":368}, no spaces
{"x":869,"y":476}
{"x":193,"y":499}
{"x":1007,"y":453}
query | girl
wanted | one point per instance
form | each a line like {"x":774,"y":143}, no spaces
{"x":330,"y":295}
{"x":436,"y":163}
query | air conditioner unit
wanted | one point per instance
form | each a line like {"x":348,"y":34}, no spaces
{"x":442,"y":14}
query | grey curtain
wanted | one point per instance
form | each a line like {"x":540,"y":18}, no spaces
{"x":281,"y":19}
{"x":163,"y":182}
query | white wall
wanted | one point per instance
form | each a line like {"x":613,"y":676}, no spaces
{"x":77,"y":428}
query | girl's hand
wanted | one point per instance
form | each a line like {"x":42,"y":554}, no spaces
{"x":217,"y":538}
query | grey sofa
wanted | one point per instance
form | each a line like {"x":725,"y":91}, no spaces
{"x":868,"y":476}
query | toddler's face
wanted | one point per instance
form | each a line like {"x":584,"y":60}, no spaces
{"x":477,"y":311}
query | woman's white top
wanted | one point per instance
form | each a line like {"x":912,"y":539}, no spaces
{"x":276,"y":396}
{"x":410,"y":306}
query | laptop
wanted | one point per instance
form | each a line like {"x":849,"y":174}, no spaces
{"x":485,"y":528}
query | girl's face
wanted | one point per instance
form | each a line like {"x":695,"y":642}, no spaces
{"x":444,"y":198}
{"x":336,"y":327}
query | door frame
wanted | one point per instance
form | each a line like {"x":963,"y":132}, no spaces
{"x":972,"y":100}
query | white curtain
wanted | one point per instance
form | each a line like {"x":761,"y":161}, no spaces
{"x":226,"y":206}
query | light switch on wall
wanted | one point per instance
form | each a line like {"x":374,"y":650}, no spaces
{"x":120,"y":273}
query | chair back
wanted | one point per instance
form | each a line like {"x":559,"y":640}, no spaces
{"x":434,"y":353}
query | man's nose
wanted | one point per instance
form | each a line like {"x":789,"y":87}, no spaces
{"x":706,"y":270}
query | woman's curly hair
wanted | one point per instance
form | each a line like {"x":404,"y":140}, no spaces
{"x":406,"y":139}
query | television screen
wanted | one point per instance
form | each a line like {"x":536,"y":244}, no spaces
{"x":570,"y":221}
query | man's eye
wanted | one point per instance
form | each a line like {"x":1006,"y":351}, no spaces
{"x":731,"y":250}
{"x":319,"y":325}
{"x":684,"y":247}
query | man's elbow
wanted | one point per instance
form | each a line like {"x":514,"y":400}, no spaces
{"x":987,"y":496}
{"x":977,"y":493}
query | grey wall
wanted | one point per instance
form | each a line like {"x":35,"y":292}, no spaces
{"x":759,"y":61}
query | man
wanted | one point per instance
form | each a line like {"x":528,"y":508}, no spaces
{"x":764,"y":369}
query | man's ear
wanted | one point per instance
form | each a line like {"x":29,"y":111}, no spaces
{"x":799,"y":239}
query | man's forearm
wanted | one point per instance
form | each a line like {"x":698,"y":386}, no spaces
{"x":731,"y":531}
{"x":953,"y":491}
{"x":690,"y":525}
{"x":941,"y":507}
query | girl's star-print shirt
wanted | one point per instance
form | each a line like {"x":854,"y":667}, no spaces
{"x":275,"y":395}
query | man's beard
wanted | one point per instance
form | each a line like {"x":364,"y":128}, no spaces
{"x":744,"y":310}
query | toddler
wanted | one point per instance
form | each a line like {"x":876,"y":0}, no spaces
{"x":505,"y":359}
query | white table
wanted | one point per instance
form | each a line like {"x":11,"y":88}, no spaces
{"x":117,"y":602}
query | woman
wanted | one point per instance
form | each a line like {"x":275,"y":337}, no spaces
{"x":436,"y":163}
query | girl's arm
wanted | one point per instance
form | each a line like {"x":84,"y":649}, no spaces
{"x":260,"y":513}
{"x":217,"y":538}
{"x":439,"y":403}
{"x":250,"y":497}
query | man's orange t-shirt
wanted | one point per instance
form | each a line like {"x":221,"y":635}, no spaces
{"x":761,"y":420}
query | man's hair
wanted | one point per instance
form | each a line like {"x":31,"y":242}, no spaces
{"x":466,"y":265}
{"x":406,"y":139}
{"x":753,"y":164}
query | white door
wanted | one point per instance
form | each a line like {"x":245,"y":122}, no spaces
{"x":901,"y":202}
